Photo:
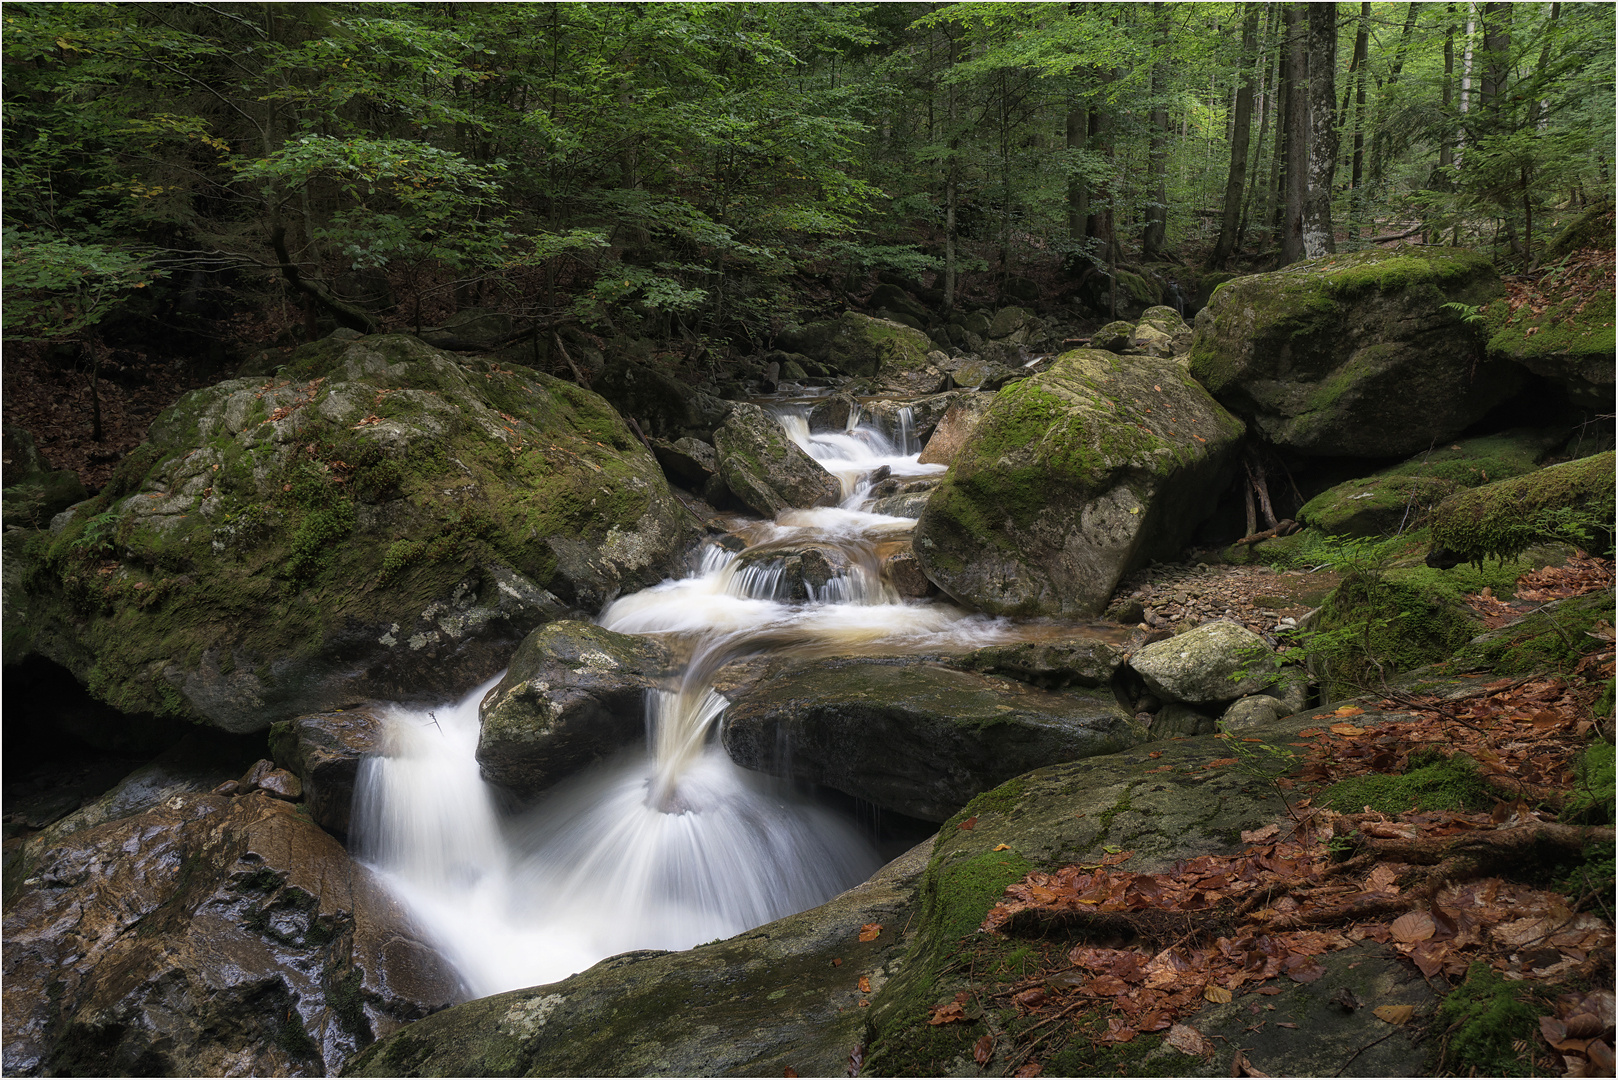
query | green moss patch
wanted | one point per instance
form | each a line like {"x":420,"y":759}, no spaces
{"x":1552,"y":639}
{"x":1572,"y":502}
{"x":1483,"y":1019}
{"x":1451,"y":784}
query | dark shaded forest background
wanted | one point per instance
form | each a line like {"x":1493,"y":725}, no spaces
{"x":186,"y":183}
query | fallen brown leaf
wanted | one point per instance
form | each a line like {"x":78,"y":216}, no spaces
{"x":870,"y":931}
{"x":1395,"y":1014}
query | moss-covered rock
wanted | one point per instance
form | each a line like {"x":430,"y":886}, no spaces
{"x":1074,"y":477}
{"x":765,"y":469}
{"x":1209,"y":665}
{"x":914,"y":737}
{"x":574,"y":693}
{"x":1353,"y":354}
{"x":382,"y":520}
{"x":1572,"y":502}
{"x":1402,"y":497}
{"x":867,"y":347}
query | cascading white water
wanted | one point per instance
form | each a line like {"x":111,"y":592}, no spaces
{"x":668,"y":846}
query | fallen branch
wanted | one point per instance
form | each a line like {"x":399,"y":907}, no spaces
{"x":1284,"y":527}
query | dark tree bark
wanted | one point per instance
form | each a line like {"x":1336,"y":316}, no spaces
{"x":346,"y":314}
{"x":1296,"y":126}
{"x":1361,"y":43}
{"x":1322,"y":152}
{"x":1241,"y":126}
{"x":1379,"y":137}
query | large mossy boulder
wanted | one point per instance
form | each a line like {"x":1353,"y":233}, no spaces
{"x":914,"y":737}
{"x":380,"y":521}
{"x":765,"y":469}
{"x":1572,"y":502}
{"x":206,"y":936}
{"x":1403,"y":496}
{"x":1354,"y":355}
{"x":574,"y":694}
{"x":877,"y":348}
{"x":1073,"y":478}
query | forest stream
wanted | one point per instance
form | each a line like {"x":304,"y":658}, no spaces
{"x":673,"y":844}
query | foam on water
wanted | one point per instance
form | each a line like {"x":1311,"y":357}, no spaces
{"x":672,"y":844}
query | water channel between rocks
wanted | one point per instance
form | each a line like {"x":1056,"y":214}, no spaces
{"x":670,"y":845}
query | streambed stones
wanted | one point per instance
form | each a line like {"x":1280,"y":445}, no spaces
{"x":913,"y":736}
{"x":574,"y":693}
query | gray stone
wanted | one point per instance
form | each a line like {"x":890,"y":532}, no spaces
{"x":955,"y":427}
{"x":1114,"y":337}
{"x":863,"y":346}
{"x":1074,"y":661}
{"x":324,"y":751}
{"x":1179,"y":719}
{"x":1251,"y":712}
{"x":1073,"y":478}
{"x":689,"y":462}
{"x":910,"y":736}
{"x":574,"y":694}
{"x":1196,"y":667}
{"x":206,"y":936}
{"x":766,"y":470}
{"x":1354,"y":354}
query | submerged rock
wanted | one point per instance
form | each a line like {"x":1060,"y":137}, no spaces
{"x":206,"y":936}
{"x":912,"y":736}
{"x":765,"y":469}
{"x":1354,"y":354}
{"x":381,"y":521}
{"x":1074,"y":477}
{"x":573,"y":694}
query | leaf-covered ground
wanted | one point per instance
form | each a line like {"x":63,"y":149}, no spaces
{"x":1470,"y":833}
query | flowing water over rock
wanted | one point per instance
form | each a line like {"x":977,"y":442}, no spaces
{"x":674,"y":844}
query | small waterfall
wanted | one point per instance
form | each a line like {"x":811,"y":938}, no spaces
{"x":672,"y":844}
{"x":908,"y":443}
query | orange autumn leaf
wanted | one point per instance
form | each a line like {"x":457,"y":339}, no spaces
{"x":870,"y":931}
{"x":1395,"y":1014}
{"x":1349,"y":710}
{"x":1219,"y":763}
{"x":983,"y":1050}
{"x":1216,"y":994}
{"x":947,"y":1014}
{"x":969,"y":823}
{"x":1346,"y":729}
{"x":865,"y":984}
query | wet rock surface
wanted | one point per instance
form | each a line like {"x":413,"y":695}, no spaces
{"x":765,"y":469}
{"x":787,"y":996}
{"x":574,"y":693}
{"x":206,"y":936}
{"x":913,"y":736}
{"x":324,"y":751}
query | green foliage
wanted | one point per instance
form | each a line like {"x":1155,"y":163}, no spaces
{"x":1482,"y":1018}
{"x":1591,"y":802}
{"x":56,"y":288}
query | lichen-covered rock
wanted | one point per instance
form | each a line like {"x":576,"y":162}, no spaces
{"x":1051,"y":664}
{"x":34,"y":492}
{"x":1114,"y":337}
{"x":383,"y":521}
{"x":954,"y":428}
{"x":867,"y":347}
{"x":1198,"y":666}
{"x":910,"y":736}
{"x":1074,"y":477}
{"x":575,"y":693}
{"x":1353,"y":354}
{"x":1571,"y":502}
{"x":324,"y":751}
{"x":1402,"y":496}
{"x":765,"y":469}
{"x":1253,"y":711}
{"x":206,"y":936}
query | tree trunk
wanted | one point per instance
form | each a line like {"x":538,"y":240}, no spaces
{"x":1297,"y":138}
{"x":1466,"y":80}
{"x":1361,"y":43}
{"x":1446,"y":148}
{"x":1379,"y":138}
{"x":1322,"y":153}
{"x":1241,"y":126}
{"x":1078,"y":195}
{"x":1152,"y":236}
{"x":1270,"y":68}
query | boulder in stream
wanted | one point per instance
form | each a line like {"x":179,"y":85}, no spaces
{"x":1073,"y":478}
{"x":912,"y":736}
{"x":206,"y":936}
{"x":379,"y":521}
{"x":765,"y":469}
{"x":573,"y":694}
{"x":1354,"y":354}
{"x":324,"y":751}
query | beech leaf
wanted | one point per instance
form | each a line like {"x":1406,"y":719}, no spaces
{"x":865,"y":984}
{"x":870,"y":931}
{"x":1216,"y":994}
{"x":968,"y":824}
{"x":1413,"y":926}
{"x":1395,"y":1014}
{"x":1256,"y":836}
{"x":983,"y":1050}
{"x":1189,"y":1041}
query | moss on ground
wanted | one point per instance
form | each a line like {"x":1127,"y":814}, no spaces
{"x":1572,"y":502}
{"x":1449,"y":784}
{"x":1483,"y":1021}
{"x":1552,"y":639}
